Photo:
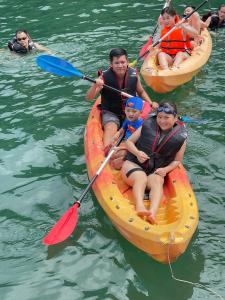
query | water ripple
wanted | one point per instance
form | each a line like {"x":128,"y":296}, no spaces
{"x":42,"y":164}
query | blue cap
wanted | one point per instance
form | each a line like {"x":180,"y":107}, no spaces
{"x":135,"y":103}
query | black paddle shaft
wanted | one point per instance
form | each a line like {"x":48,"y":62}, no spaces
{"x":108,"y":87}
{"x":161,"y":39}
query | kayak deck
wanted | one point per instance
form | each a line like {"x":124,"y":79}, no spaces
{"x":177,"y":217}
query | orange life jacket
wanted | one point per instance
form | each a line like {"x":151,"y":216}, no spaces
{"x":175,"y":42}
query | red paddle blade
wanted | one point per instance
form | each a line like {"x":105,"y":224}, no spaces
{"x":145,"y":47}
{"x":64,"y":227}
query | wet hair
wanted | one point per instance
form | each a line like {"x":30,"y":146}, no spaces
{"x":21,"y":31}
{"x":222,"y":5}
{"x":169,"y":10}
{"x":171,"y":105}
{"x":117,"y":52}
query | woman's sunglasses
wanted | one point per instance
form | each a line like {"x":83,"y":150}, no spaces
{"x":22,"y":39}
{"x":167,"y":110}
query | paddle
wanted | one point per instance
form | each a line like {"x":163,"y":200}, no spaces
{"x":61,"y":67}
{"x":149,"y":42}
{"x":186,"y":119}
{"x":132,"y":64}
{"x":67,"y":223}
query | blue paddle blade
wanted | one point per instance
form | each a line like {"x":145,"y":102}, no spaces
{"x":57,"y":66}
{"x":186,"y":119}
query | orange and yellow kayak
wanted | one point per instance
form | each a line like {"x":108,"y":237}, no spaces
{"x":163,"y":81}
{"x":177,"y":217}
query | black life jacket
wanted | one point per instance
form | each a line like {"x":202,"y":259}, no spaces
{"x":215,"y":21}
{"x":13,"y":45}
{"x":161,"y":154}
{"x":113,"y":101}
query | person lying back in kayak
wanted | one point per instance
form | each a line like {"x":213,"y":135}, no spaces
{"x":154,"y":149}
{"x":215,"y":20}
{"x":120,"y":76}
{"x":132,"y":122}
{"x":23,"y":44}
{"x":196,"y":22}
{"x":176,"y":47}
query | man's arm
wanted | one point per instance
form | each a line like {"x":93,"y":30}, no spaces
{"x":94,"y":89}
{"x":42,"y":48}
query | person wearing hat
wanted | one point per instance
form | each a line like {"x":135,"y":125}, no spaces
{"x":132,"y":122}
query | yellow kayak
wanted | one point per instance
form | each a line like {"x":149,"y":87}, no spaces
{"x":177,"y":217}
{"x":163,"y":81}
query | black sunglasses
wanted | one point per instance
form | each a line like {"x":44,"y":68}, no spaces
{"x":22,"y":39}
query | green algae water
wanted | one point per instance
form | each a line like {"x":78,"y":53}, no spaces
{"x":42,"y":165}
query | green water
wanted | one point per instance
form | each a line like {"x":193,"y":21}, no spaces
{"x":42,"y":164}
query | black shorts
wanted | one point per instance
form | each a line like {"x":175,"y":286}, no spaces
{"x":145,"y":167}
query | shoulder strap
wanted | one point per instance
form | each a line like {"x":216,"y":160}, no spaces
{"x":164,"y":140}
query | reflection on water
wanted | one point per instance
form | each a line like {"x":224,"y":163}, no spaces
{"x":42,"y":164}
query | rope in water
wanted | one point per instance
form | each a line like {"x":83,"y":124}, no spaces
{"x":199,"y":285}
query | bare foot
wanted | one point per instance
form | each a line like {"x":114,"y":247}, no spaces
{"x":151,"y":219}
{"x":143,"y":213}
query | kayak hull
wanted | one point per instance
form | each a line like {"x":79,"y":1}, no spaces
{"x":177,"y":217}
{"x":163,"y":81}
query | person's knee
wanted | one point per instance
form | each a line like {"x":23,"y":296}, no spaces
{"x":181,"y":56}
{"x":161,"y":55}
{"x":110,"y":126}
{"x":155,"y":180}
{"x":140,"y":179}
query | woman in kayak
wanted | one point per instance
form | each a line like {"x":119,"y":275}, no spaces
{"x":23,"y":44}
{"x":174,"y":48}
{"x":154,"y":150}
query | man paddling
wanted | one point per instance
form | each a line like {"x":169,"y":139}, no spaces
{"x":120,"y":76}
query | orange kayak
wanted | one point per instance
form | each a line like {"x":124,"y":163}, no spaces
{"x":163,"y":81}
{"x":177,"y":217}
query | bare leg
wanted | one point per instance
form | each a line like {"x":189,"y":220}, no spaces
{"x":155,"y":184}
{"x":180,"y":56}
{"x":110,"y":130}
{"x":164,"y":60}
{"x":138,"y":180}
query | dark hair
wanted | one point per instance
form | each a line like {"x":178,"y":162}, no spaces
{"x":117,"y":52}
{"x":169,"y":105}
{"x":169,"y":10}
{"x":21,"y":31}
{"x":193,"y":7}
{"x":222,"y":5}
